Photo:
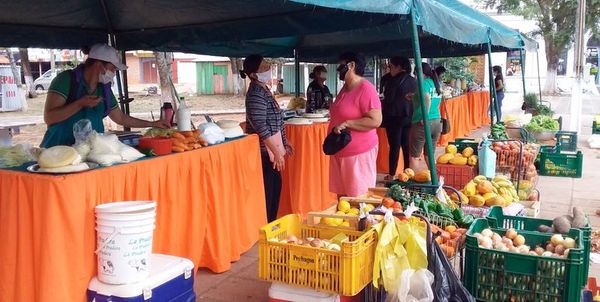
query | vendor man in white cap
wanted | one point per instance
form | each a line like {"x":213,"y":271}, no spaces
{"x":85,"y":93}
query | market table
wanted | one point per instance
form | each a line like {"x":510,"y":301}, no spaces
{"x":209,"y":210}
{"x":305,"y":186}
{"x":466,"y":113}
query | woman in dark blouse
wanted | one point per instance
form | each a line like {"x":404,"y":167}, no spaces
{"x":317,"y":94}
{"x":263,"y":117}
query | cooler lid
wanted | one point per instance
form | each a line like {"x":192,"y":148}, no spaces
{"x":162,"y":269}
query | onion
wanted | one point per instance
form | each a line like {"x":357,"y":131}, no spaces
{"x":496,"y":237}
{"x":533,"y":253}
{"x":557,"y":239}
{"x":487,"y":233}
{"x":566,"y":253}
{"x":559,"y":249}
{"x":550,"y":247}
{"x":519,"y":240}
{"x":316,"y":243}
{"x":539,"y":250}
{"x":569,"y":243}
{"x":511,"y":234}
{"x":547,"y":254}
{"x":507,"y":242}
{"x":292,"y":239}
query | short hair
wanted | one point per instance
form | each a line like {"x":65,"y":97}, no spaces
{"x":358,"y":59}
{"x":317,"y":69}
{"x":402,"y":62}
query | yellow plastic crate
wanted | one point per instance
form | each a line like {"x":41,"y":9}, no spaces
{"x":345,"y":272}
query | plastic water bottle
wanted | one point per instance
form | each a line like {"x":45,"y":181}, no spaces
{"x":184,"y":116}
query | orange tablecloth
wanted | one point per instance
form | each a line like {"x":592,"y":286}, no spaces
{"x":466,"y":113}
{"x":210,"y":207}
{"x":383,"y":154}
{"x":306,"y":176}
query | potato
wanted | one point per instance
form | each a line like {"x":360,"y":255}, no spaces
{"x":511,"y":234}
{"x":519,"y":240}
{"x":545,"y":229}
{"x":562,"y":224}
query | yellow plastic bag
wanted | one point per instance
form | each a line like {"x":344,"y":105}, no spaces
{"x":416,"y":243}
{"x":390,"y":255}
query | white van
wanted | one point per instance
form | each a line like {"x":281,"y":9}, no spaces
{"x":43,"y":82}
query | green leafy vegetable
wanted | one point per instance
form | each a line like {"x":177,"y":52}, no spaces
{"x":542,"y":123}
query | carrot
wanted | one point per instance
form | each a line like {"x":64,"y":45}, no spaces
{"x":178,"y":135}
{"x":187,"y":133}
{"x":177,"y":149}
{"x":178,"y":143}
{"x":188,"y":148}
{"x":191,"y":139}
{"x":197,"y":146}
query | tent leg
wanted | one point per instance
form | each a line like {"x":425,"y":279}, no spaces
{"x":493,"y":96}
{"x":123,"y":94}
{"x":297,"y":72}
{"x":421,"y":93}
{"x":522,"y":58}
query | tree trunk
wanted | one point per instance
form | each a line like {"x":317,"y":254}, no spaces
{"x":164,"y":61}
{"x":552,"y":56}
{"x":13,"y":68}
{"x":238,"y":83}
{"x":23,"y":53}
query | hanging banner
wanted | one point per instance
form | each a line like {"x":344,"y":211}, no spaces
{"x":11,"y":98}
{"x":513,"y":63}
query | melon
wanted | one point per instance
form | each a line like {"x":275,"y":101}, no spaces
{"x":59,"y":156}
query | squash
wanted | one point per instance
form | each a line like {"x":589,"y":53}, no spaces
{"x":485,"y":187}
{"x":451,"y":149}
{"x":467,"y":152}
{"x":403,"y":177}
{"x":410,"y":172}
{"x":423,"y":176}
{"x":445,"y":158}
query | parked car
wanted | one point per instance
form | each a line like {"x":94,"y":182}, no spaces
{"x":43,"y":82}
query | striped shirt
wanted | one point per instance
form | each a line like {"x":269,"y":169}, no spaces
{"x":263,"y":115}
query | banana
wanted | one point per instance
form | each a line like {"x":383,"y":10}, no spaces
{"x":498,"y":178}
{"x":514,"y":194}
{"x":504,"y":184}
{"x":479,"y":178}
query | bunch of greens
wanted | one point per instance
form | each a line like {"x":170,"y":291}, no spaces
{"x":498,"y":132}
{"x":542,"y":123}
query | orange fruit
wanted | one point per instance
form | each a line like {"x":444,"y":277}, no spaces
{"x":450,"y":229}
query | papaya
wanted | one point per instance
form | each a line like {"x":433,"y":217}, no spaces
{"x":472,"y":160}
{"x":495,"y":201}
{"x":470,"y":188}
{"x":451,"y":149}
{"x":458,"y":160}
{"x":485,"y":187}
{"x":423,"y":176}
{"x":445,"y":158}
{"x":476,"y":200}
{"x":467,"y":152}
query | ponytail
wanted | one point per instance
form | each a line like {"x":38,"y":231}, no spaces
{"x":242,"y":74}
{"x":430,"y":73}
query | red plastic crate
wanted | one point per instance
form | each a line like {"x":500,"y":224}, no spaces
{"x":456,"y":176}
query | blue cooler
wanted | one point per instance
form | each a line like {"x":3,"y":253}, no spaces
{"x":171,"y":280}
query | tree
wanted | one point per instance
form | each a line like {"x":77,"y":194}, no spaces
{"x":238,"y":83}
{"x":24,"y":54}
{"x":164,"y":62}
{"x":556,"y":24}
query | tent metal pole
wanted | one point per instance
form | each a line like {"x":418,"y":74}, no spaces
{"x":537,"y":56}
{"x":297,"y":72}
{"x":522,"y":58}
{"x":493,"y":96}
{"x":421,"y":93}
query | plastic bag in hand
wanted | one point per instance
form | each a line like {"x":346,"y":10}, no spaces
{"x":446,"y":285}
{"x":82,"y":130}
{"x":212,"y":133}
{"x":413,"y":286}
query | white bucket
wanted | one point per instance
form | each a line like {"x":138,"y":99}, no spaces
{"x":124,"y":241}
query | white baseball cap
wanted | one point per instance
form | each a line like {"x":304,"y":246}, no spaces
{"x":106,"y":53}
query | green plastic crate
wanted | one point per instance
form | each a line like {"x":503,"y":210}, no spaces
{"x":555,"y":163}
{"x":493,"y":275}
{"x":567,"y":140}
{"x":497,"y":219}
{"x":462,"y":143}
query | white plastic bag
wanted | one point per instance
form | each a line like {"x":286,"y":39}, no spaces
{"x":212,"y":133}
{"x":107,"y":150}
{"x":413,"y":287}
{"x":594,"y":141}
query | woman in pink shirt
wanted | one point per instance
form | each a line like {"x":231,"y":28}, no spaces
{"x":353,"y":170}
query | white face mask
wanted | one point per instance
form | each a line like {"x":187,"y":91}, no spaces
{"x":106,"y":77}
{"x":264,"y":77}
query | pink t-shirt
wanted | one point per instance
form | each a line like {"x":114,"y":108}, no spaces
{"x":352,"y":105}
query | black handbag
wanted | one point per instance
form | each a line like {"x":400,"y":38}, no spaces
{"x":445,"y":120}
{"x":335,"y":142}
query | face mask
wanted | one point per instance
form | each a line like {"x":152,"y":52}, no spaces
{"x":264,"y":77}
{"x":106,"y":77}
{"x":342,"y":70}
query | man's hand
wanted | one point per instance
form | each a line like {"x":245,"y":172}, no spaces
{"x":160,"y":124}
{"x":89,"y":101}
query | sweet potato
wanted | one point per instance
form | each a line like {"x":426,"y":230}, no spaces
{"x":562,"y":224}
{"x":579,"y":219}
{"x":545,"y":229}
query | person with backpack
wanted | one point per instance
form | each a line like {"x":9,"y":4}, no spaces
{"x":85,"y":93}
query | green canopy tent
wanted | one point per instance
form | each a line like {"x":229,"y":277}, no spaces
{"x":315,"y":30}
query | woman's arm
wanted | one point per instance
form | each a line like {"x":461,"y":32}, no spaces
{"x":128,"y":121}
{"x":369,"y":121}
{"x":56,"y":110}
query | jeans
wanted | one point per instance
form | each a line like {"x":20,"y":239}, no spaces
{"x":272,"y":186}
{"x":499,"y":98}
{"x":398,"y":136}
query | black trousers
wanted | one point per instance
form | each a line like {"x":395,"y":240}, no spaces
{"x":272,"y":183}
{"x":398,"y":134}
